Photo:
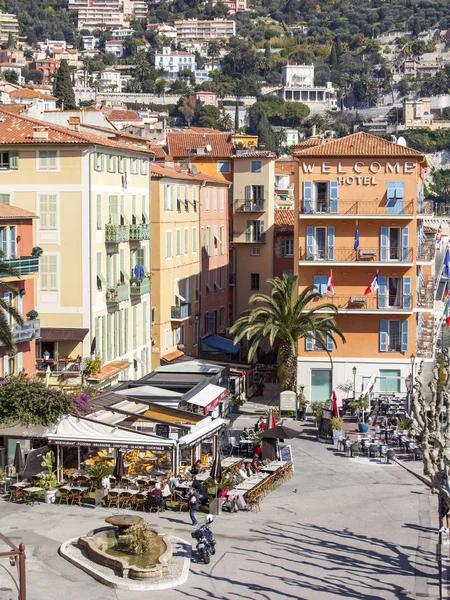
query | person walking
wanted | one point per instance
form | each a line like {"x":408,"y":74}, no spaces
{"x":193,"y":506}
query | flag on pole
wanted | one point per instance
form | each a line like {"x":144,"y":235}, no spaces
{"x":447,"y":310}
{"x":356,"y":242}
{"x":439,"y":235}
{"x":373,"y":286}
{"x":330,"y":285}
{"x":447,"y":263}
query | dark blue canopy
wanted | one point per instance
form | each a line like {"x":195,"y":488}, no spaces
{"x":216,"y":342}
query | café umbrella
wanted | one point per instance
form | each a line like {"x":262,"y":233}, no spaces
{"x":18,"y":460}
{"x":270,"y":423}
{"x":216,"y":471}
{"x":119,"y":471}
{"x":334,"y":406}
{"x":279,"y":432}
{"x":269,"y":447}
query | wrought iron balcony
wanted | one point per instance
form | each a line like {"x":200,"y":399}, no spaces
{"x":179,"y":313}
{"x":25,"y":265}
{"x":116,"y":234}
{"x":30,"y":330}
{"x":118,"y":293}
{"x":252,"y":205}
{"x":361,"y":255}
{"x":139,"y":232}
{"x":139,"y":287}
{"x":248,"y":237}
{"x":361,"y":302}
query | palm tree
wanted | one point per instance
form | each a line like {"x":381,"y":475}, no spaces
{"x":285,"y":316}
{"x":6,"y":337}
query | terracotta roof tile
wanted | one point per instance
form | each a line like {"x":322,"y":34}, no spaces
{"x":312,"y":141}
{"x":284,"y":221}
{"x":159,"y":151}
{"x":428,"y":229}
{"x":29,"y":93}
{"x":14,"y":212}
{"x":159,"y":170}
{"x":183,"y":145}
{"x":359,"y":144}
{"x":18,"y":129}
{"x":255,"y":154}
{"x":123,"y":115}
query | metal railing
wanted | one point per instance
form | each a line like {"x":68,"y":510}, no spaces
{"x":361,"y":302}
{"x":245,"y":205}
{"x":247,"y":237}
{"x":139,"y":232}
{"x":115,"y":234}
{"x":365,"y":207}
{"x":362,"y":255}
{"x":118,"y":293}
{"x":16,"y":555}
{"x":23,"y":265}
{"x":181,"y":312}
{"x":30,"y":330}
{"x":137,"y":288}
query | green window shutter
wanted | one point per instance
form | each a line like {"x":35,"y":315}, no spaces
{"x":4,"y":199}
{"x":97,"y":335}
{"x":110,"y":335}
{"x":186,"y":241}
{"x":122,"y":210}
{"x":120,"y":165}
{"x":144,"y":322}
{"x":102,"y":162}
{"x":114,"y":210}
{"x":13,"y":159}
{"x":99,"y":211}
{"x":114,"y":166}
{"x":140,"y":256}
{"x":121,"y":351}
{"x":99,"y":269}
{"x":178,"y":252}
{"x":125,"y":332}
{"x":168,"y":244}
{"x":134,"y":209}
{"x":134,"y":327}
{"x":145,"y":218}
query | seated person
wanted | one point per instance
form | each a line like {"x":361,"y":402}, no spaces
{"x":157,"y":496}
{"x":196,"y":468}
{"x":173,"y":482}
{"x":165,"y":489}
{"x":256,"y":463}
{"x":259,"y":423}
{"x":245,"y":434}
{"x":242,"y":473}
{"x":249,"y":469}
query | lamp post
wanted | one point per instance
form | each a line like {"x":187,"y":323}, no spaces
{"x":412,"y":358}
{"x":354,"y":383}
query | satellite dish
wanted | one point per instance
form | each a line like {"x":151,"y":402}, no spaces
{"x":194,"y":170}
{"x":208,"y":148}
{"x":393,"y":138}
{"x":401,"y":141}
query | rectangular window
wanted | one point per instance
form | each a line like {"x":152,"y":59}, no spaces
{"x":4,"y":241}
{"x":100,"y":279}
{"x":99,"y":211}
{"x":255,"y":231}
{"x":389,"y":381}
{"x":319,"y":250}
{"x":394,"y":336}
{"x":215,"y":199}
{"x":287,"y":247}
{"x":320,"y":283}
{"x":223,"y":166}
{"x":144,"y":211}
{"x":194,"y":197}
{"x":321,"y":385}
{"x":114,"y":210}
{"x":134,"y":166}
{"x":207,"y":198}
{"x":178,"y":243}
{"x":122,"y":165}
{"x":168,"y":197}
{"x":5,"y":199}
{"x":167,"y":339}
{"x":134,"y":213}
{"x":48,"y":265}
{"x":215,"y":240}
{"x":254,"y":281}
{"x":256,"y":251}
{"x":394,"y":243}
{"x":99,"y":158}
{"x":394,"y":288}
{"x":144,"y":167}
{"x":135,"y":332}
{"x":48,"y":211}
{"x":12,"y":242}
{"x":48,"y":160}
{"x":168,"y":244}
{"x":194,"y":240}
{"x":222,"y":199}
{"x":186,"y":240}
{"x":111,"y":163}
{"x":256,"y":166}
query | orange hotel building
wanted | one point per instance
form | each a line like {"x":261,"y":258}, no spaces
{"x":362,"y":181}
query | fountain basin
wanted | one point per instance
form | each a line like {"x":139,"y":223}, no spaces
{"x":105,"y":547}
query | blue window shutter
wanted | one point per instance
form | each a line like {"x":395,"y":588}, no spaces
{"x":248,"y":196}
{"x":383,"y":243}
{"x":391,"y":197}
{"x":383,"y":335}
{"x":309,"y":342}
{"x":320,"y":283}
{"x":405,"y":336}
{"x":400,"y":190}
{"x":248,"y":232}
{"x":331,"y":243}
{"x":382,"y":292}
{"x":334,"y":196}
{"x":307,"y":196}
{"x":405,"y":243}
{"x":309,"y":242}
{"x":317,"y":282}
{"x":330,"y":344}
{"x":407,"y":292}
{"x":391,"y":190}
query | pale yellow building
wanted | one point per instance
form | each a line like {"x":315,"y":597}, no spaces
{"x":92,"y":195}
{"x":417,"y":113}
{"x":251,"y":259}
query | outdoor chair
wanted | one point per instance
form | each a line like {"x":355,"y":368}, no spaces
{"x":64,"y":496}
{"x":390,"y":454}
{"x":156,"y":504}
{"x":253,"y":504}
{"x":113,"y":499}
{"x":355,"y":449}
{"x":125,"y":482}
{"x":140,"y":501}
{"x":126,"y":499}
{"x":233,"y":445}
{"x":15,"y":494}
{"x":373,"y":450}
{"x":77,"y":496}
{"x":182,"y":502}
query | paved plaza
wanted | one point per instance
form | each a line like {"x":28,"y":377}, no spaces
{"x":339,"y":528}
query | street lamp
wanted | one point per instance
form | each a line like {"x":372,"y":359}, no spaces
{"x":412,"y":358}
{"x":354,"y":383}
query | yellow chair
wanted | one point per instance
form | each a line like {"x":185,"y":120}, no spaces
{"x":205,"y":459}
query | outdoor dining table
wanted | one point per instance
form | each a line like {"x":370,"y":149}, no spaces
{"x":121,"y":490}
{"x":30,"y":494}
{"x":229,"y":462}
{"x":71,"y":488}
{"x":21,"y":484}
{"x":203,"y":476}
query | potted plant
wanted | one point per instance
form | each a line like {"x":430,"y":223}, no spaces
{"x":337,"y":428}
{"x":101,"y":473}
{"x":257,"y":442}
{"x":235,"y":402}
{"x":92,"y":365}
{"x":37,"y":252}
{"x":302,"y":404}
{"x":48,"y":481}
{"x":32,"y":314}
{"x":361,"y":405}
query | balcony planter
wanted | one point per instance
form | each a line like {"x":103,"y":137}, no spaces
{"x":234,"y":408}
{"x":363,"y":427}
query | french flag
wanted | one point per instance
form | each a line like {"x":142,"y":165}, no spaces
{"x":373,"y":286}
{"x":330,"y":285}
{"x":439,"y":235}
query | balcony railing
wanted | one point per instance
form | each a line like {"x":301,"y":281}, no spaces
{"x":139,"y":232}
{"x":361,"y":302}
{"x":181,"y":312}
{"x":365,"y":207}
{"x":118,"y":293}
{"x":247,"y":237}
{"x":24,"y":265}
{"x":30,"y":330}
{"x":137,"y":288}
{"x":249,"y":205}
{"x":116,"y":234}
{"x":361,"y":255}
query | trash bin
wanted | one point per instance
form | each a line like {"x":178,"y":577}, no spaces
{"x":215,"y":506}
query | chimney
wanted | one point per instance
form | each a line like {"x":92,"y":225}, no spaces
{"x":74,"y":123}
{"x":40,"y":133}
{"x":313,"y":131}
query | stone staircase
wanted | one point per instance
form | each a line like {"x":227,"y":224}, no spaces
{"x":426,"y":337}
{"x":425,"y":297}
{"x":427,"y":249}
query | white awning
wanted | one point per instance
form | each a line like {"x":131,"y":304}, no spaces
{"x":208,"y":397}
{"x":74,"y":431}
{"x":150,"y":391}
{"x":200,"y":433}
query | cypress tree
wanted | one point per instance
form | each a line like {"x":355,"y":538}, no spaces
{"x":236,"y":117}
{"x":333,"y":56}
{"x":63,"y":87}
